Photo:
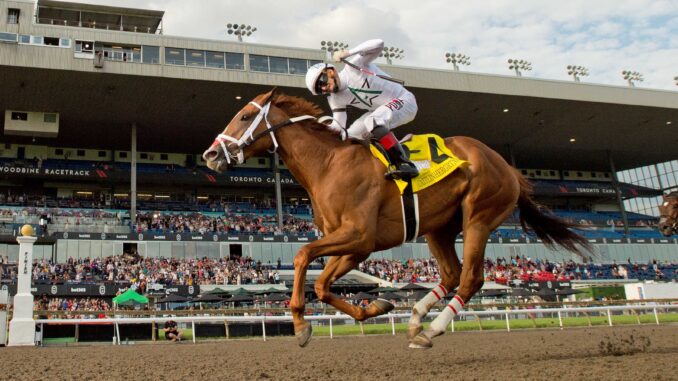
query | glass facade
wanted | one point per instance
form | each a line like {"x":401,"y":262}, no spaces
{"x":662,"y":176}
{"x":235,"y":61}
{"x":175,"y":56}
{"x":150,"y":54}
{"x":258,"y":63}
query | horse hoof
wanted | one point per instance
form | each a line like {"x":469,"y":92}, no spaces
{"x":421,"y":341}
{"x":417,"y":346}
{"x":381,"y":306}
{"x":413,"y":331}
{"x":304,"y":335}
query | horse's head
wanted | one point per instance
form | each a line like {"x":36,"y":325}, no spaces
{"x":668,"y":214}
{"x":246,"y":135}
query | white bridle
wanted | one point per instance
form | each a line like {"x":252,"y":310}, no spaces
{"x":248,"y":136}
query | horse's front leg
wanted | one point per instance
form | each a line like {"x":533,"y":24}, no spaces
{"x":343,"y":240}
{"x":335,"y":269}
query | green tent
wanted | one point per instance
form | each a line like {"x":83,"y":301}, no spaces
{"x":130,"y":296}
{"x":217,"y":291}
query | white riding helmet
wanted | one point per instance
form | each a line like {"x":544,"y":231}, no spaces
{"x":314,"y":73}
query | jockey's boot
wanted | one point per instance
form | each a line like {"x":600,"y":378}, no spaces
{"x":400,"y":165}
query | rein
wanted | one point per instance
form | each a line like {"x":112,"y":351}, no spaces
{"x":248,"y":137}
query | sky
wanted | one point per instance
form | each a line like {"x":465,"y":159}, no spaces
{"x":605,"y":36}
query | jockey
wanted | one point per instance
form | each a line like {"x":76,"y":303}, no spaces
{"x":388,"y":103}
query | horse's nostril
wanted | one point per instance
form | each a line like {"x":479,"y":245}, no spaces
{"x":211,"y":155}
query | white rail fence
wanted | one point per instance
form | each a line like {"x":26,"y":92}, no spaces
{"x":391,"y":317}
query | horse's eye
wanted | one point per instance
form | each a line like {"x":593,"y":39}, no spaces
{"x":245,"y":118}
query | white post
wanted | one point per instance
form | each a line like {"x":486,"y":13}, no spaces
{"x":560,"y":320}
{"x":609,"y":318}
{"x":263,"y":327}
{"x":656,"y":317}
{"x":392,"y":326}
{"x":331,"y":331}
{"x":117,"y":332}
{"x":508,"y":326}
{"x":22,"y":326}
{"x":452,"y":324}
{"x":193,"y":328}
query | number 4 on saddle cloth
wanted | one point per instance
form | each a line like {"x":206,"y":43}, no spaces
{"x":434,"y":161}
{"x":429,"y":153}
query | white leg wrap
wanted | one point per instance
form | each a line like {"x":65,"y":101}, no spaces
{"x":451,"y":310}
{"x":433,"y":297}
{"x":424,"y":305}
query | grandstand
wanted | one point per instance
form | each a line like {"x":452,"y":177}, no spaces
{"x":105,"y":118}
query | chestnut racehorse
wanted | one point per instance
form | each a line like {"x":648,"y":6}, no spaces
{"x":668,"y":214}
{"x":359,"y":211}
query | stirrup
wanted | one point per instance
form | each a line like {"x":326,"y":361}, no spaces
{"x":406,"y":171}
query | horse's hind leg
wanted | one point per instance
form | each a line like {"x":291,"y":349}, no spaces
{"x":335,"y":269}
{"x":441,"y":244}
{"x":472,"y":278}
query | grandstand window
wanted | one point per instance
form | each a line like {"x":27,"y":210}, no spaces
{"x":84,"y":46}
{"x":313,"y":62}
{"x":13,"y":15}
{"x":80,"y":152}
{"x":19,"y":115}
{"x":214,"y":59}
{"x":579,"y":174}
{"x":65,"y":42}
{"x":297,"y":66}
{"x":7,"y":37}
{"x":101,"y":154}
{"x":261,"y":161}
{"x":278,"y":65}
{"x":163,"y":156}
{"x":36,"y":40}
{"x":174,"y":56}
{"x":59,"y":151}
{"x":24,"y":39}
{"x":150,"y":54}
{"x":235,"y":61}
{"x":552,"y":173}
{"x":143,"y":155}
{"x":51,"y":41}
{"x":49,"y":117}
{"x":122,"y":155}
{"x":538,"y":172}
{"x":258,"y":63}
{"x":523,"y":171}
{"x":593,"y":174}
{"x":195,"y":58}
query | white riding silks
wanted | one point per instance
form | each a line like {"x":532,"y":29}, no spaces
{"x":453,"y":308}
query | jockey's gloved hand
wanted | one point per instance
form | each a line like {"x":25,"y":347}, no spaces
{"x":340,"y":55}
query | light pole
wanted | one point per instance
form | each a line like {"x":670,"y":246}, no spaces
{"x":391,"y":53}
{"x":577,"y":71}
{"x":519,"y":65}
{"x":332,"y":46}
{"x":632,"y":76}
{"x":457,"y":59}
{"x":240,"y":30}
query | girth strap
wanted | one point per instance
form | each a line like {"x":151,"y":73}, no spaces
{"x":410,"y":204}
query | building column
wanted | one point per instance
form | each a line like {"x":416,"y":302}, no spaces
{"x":278,"y":190}
{"x":133,"y":178}
{"x":617,"y":191}
{"x":512,"y":158}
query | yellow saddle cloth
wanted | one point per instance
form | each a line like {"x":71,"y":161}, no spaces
{"x":433,"y":159}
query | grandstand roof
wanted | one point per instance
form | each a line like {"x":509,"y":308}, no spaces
{"x":96,"y":110}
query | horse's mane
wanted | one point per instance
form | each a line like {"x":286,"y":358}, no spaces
{"x":297,"y":106}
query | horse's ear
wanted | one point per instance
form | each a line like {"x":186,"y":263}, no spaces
{"x":270,"y":95}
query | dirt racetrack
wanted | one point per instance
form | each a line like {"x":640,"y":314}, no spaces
{"x":630,"y":352}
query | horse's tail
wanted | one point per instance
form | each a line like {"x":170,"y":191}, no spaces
{"x":548,"y":227}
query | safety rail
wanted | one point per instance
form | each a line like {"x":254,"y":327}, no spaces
{"x":391,"y":317}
